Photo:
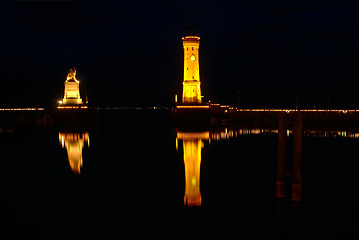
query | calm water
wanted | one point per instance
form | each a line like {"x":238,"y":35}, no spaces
{"x":138,"y":175}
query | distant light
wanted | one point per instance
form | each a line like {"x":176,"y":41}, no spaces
{"x":21,"y":109}
{"x":198,"y":106}
{"x":72,"y":107}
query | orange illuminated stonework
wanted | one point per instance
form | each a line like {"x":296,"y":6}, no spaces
{"x":192,"y":145}
{"x":72,"y":89}
{"x":191,"y":81}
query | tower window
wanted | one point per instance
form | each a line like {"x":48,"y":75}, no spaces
{"x":187,"y":68}
{"x":192,"y":48}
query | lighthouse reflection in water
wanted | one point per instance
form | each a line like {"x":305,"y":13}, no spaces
{"x":193,"y":142}
{"x":74,"y":143}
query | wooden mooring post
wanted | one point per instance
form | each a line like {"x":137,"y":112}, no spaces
{"x":281,"y":155}
{"x":297,"y":181}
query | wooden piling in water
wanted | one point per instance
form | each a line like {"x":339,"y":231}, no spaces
{"x":281,"y":155}
{"x":297,"y":181}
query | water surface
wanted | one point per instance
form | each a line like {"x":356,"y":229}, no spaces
{"x":136,"y":173}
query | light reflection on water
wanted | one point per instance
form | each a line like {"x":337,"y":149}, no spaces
{"x":192,"y":147}
{"x":74,"y":143}
{"x":226,"y":172}
{"x":230,"y":133}
{"x":193,"y":143}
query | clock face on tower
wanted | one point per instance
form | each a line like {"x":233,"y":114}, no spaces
{"x":193,"y":58}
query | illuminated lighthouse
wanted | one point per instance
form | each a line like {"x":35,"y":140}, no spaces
{"x":191,"y":82}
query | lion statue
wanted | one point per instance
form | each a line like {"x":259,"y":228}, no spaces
{"x":71,"y":75}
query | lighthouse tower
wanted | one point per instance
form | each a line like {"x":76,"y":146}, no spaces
{"x":191,"y":82}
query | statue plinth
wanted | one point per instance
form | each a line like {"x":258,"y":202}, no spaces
{"x":72,"y":90}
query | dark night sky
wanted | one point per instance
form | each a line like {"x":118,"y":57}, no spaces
{"x":131,"y":53}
